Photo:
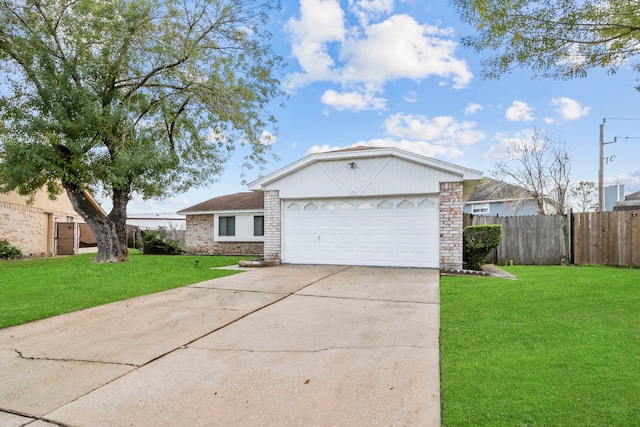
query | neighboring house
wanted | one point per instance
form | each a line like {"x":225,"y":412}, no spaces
{"x":152,"y":221}
{"x":227,"y":225}
{"x":366,"y":206}
{"x":44,"y":227}
{"x":631,"y":202}
{"x":497,"y":198}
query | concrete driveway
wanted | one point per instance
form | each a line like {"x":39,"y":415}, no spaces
{"x":281,"y":346}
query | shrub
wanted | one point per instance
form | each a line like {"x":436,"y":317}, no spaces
{"x":159,"y":243}
{"x":479,"y":241}
{"x":7,"y":251}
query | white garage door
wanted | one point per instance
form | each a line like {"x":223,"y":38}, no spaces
{"x":398,"y":231}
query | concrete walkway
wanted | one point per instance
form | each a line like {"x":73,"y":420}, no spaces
{"x":281,"y":346}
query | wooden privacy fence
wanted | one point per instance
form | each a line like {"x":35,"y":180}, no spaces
{"x":607,"y":238}
{"x":528,"y":240}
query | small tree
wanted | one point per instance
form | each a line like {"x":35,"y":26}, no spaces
{"x":479,"y":241}
{"x":542,"y":166}
{"x":585,"y":195}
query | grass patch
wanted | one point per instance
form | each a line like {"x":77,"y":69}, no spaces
{"x":39,"y":288}
{"x":559,"y":347}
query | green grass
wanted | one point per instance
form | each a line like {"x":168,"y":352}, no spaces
{"x":559,"y":347}
{"x":39,"y":288}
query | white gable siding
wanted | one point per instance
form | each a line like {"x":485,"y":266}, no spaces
{"x":371,"y":177}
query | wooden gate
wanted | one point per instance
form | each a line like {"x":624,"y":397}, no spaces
{"x":65,"y":238}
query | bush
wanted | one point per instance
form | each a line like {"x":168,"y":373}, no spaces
{"x":157,"y":242}
{"x":479,"y":241}
{"x":7,"y":251}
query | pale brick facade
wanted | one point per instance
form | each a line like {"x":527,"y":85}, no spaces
{"x":451,"y":204}
{"x":272,"y":225}
{"x":199,"y":239}
{"x":31,"y":227}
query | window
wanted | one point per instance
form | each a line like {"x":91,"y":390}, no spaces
{"x":258,"y":225}
{"x":480,"y":208}
{"x":227,"y":226}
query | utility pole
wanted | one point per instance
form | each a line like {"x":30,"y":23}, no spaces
{"x":601,"y":168}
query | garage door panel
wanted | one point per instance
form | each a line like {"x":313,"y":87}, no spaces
{"x":387,"y":231}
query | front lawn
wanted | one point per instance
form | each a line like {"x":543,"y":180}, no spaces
{"x":39,"y":288}
{"x":558,"y":347}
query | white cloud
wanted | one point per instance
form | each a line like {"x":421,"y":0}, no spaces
{"x":323,"y":148}
{"x":472,"y":108}
{"x":411,"y":97}
{"x":500,"y":150}
{"x":354,"y":101}
{"x":631,"y":181}
{"x":365,"y":56}
{"x":267,"y":138}
{"x":370,"y":9}
{"x":519,"y":112}
{"x":419,"y":147}
{"x":400,"y":47}
{"x":321,"y":22}
{"x":569,"y":109}
{"x":441,"y":130}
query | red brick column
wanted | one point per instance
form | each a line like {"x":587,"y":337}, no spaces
{"x":451,"y":205}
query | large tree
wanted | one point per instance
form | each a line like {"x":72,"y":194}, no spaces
{"x":129,"y":97}
{"x":554,"y":38}
{"x":542,"y":167}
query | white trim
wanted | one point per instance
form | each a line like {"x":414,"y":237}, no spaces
{"x":462,"y":172}
{"x":236,"y":212}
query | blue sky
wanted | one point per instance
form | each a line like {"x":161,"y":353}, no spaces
{"x":393,"y":73}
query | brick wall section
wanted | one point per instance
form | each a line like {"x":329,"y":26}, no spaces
{"x":451,"y":205}
{"x":25,"y":227}
{"x":272,"y":225}
{"x":199,"y":239}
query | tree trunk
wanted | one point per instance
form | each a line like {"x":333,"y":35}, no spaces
{"x":110,"y":230}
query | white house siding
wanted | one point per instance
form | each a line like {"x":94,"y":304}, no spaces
{"x":371,"y":177}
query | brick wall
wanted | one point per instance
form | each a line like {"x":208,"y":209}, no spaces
{"x":30,"y":228}
{"x":451,"y":205}
{"x":199,"y":239}
{"x":272,"y":225}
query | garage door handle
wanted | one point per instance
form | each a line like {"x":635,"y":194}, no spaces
{"x":318,"y":238}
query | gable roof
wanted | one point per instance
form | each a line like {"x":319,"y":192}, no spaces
{"x":229,"y":202}
{"x":364,"y":152}
{"x":492,"y":190}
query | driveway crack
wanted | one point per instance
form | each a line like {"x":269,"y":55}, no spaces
{"x":53,"y":359}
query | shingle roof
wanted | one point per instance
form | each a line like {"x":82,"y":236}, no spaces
{"x":230,"y":202}
{"x":633,"y":196}
{"x":489,"y":189}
